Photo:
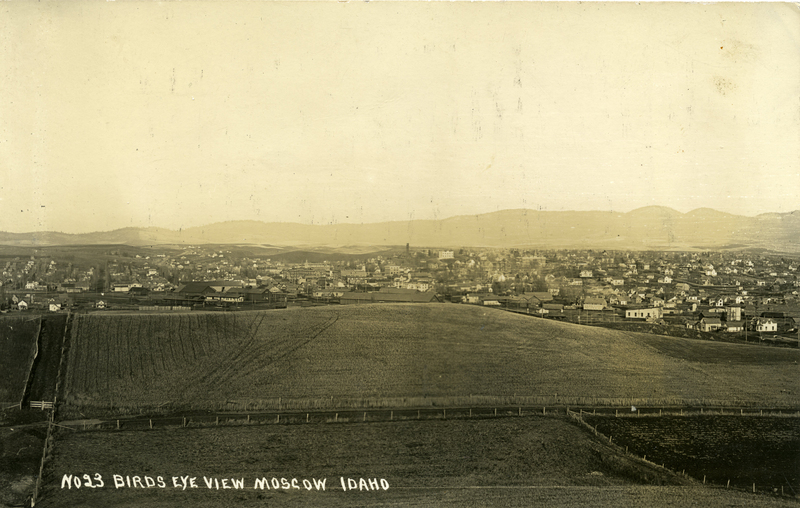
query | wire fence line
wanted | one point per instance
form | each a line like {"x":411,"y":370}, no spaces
{"x":204,"y":419}
{"x":369,"y":403}
{"x":47,"y":449}
{"x":770,"y":489}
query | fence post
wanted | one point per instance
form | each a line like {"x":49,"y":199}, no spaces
{"x":391,"y":415}
{"x":151,"y":423}
{"x":217,"y":422}
{"x":117,"y":424}
{"x":336,"y":417}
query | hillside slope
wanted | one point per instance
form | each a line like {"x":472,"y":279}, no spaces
{"x":651,"y":227}
{"x":361,"y":355}
{"x":528,"y":461}
{"x":18,"y":349}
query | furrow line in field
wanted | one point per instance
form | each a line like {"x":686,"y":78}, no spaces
{"x":150,"y":346}
{"x":243,"y":355}
{"x":192,"y":339}
{"x":274,"y":360}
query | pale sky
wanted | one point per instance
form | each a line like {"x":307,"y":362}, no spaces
{"x":116,"y":114}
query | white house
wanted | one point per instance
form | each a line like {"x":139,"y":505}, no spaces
{"x":710,"y":324}
{"x":766,"y":325}
{"x":594,"y":304}
{"x":649,"y":313}
{"x":734,"y":326}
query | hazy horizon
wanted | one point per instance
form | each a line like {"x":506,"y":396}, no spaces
{"x":179,"y":115}
{"x":401,"y":220}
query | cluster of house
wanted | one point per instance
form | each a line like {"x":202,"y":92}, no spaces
{"x":236,"y":292}
{"x":732,"y":320}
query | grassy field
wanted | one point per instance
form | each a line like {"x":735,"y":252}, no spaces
{"x":404,"y":355}
{"x":20,"y":455}
{"x":742,"y":450}
{"x":18,"y":346}
{"x":510,"y":462}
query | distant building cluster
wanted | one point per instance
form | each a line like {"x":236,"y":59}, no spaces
{"x":724,"y":292}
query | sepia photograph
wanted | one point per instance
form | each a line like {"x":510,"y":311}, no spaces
{"x":399,"y":253}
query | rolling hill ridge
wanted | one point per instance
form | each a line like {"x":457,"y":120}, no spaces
{"x":651,"y":227}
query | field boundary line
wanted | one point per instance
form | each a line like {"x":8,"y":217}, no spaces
{"x":49,"y":439}
{"x":29,"y":377}
{"x":191,"y":418}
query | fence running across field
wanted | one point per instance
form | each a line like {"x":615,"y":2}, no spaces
{"x":475,"y":401}
{"x":578,"y":416}
{"x":198,"y":418}
{"x":343,"y":416}
{"x":49,"y":439}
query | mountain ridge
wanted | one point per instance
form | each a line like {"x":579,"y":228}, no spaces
{"x":650,"y":227}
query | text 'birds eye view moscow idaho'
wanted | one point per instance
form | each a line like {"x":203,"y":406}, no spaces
{"x":399,"y":253}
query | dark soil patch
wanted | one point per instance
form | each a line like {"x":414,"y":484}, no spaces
{"x":744,"y":450}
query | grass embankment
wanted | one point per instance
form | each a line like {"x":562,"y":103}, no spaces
{"x":742,"y":450}
{"x":18,"y":336}
{"x":404,"y":355}
{"x":510,"y":462}
{"x":20,"y":455}
{"x":45,"y":371}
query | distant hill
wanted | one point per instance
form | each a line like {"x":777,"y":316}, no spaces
{"x":651,"y":227}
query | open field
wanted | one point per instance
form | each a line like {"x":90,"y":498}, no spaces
{"x":404,"y":355}
{"x":18,"y":337}
{"x":510,"y":461}
{"x":20,"y":455}
{"x":744,"y":450}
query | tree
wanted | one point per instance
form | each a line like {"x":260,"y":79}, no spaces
{"x":538,"y":285}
